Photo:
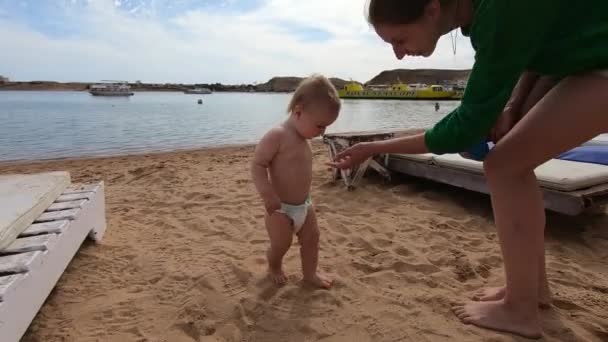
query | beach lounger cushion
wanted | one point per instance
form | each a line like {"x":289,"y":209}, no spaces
{"x":23,"y":198}
{"x":595,"y":154}
{"x":562,"y":175}
{"x":426,"y":157}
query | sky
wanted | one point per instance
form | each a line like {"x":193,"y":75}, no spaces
{"x":199,"y":41}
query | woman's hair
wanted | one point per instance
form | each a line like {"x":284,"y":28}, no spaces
{"x":313,"y":90}
{"x":396,"y":12}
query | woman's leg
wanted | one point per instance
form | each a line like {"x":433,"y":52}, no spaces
{"x":573,"y":112}
{"x":540,"y":88}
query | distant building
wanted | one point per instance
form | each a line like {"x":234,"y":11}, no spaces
{"x":4,"y":79}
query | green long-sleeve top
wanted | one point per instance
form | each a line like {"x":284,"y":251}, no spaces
{"x":552,"y":37}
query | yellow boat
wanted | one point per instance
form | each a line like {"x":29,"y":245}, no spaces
{"x":399,"y":91}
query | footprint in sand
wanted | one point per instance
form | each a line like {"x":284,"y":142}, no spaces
{"x":383,"y":243}
{"x":381,"y":330}
{"x":403,"y":267}
{"x":340,"y":228}
{"x":402,"y":251}
{"x":483,"y":270}
{"x":567,"y":305}
{"x":231,"y":280}
{"x":199,"y":196}
{"x":232,"y":220}
{"x":464,"y":271}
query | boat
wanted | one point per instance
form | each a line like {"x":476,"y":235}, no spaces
{"x":400,"y":91}
{"x":111,"y":88}
{"x":202,"y":91}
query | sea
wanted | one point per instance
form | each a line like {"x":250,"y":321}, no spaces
{"x":38,"y":125}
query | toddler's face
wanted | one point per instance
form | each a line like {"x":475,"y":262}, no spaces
{"x":314,"y":119}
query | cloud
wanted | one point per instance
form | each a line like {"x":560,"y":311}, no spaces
{"x":229,"y":41}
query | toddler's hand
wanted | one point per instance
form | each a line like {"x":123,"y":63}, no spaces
{"x":272,"y":203}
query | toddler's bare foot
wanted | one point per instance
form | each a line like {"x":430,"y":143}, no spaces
{"x":491,"y":294}
{"x":320,"y":280}
{"x":278,"y":276}
{"x":275,"y":271}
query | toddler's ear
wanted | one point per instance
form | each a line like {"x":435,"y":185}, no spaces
{"x":297,"y":111}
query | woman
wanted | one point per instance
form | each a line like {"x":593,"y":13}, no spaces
{"x":541,"y":58}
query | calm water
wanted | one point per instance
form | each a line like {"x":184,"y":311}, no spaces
{"x":42,"y":125}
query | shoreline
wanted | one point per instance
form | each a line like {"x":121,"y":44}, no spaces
{"x":155,"y":90}
{"x":222,"y":147}
{"x":123,"y":155}
{"x":315,"y":141}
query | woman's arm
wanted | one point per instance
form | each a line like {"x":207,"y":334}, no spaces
{"x":413,"y":144}
{"x":512,"y":111}
{"x":530,"y":89}
{"x":522,"y":89}
{"x":507,"y":36}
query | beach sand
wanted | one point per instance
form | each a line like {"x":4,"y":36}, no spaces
{"x":183,"y":260}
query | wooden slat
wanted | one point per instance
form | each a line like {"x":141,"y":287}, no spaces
{"x":53,"y":227}
{"x":69,"y":214}
{"x":569,"y":203}
{"x":365,"y":135}
{"x":361,"y":169}
{"x":66,"y":205}
{"x":73,"y":197}
{"x":332,"y":154}
{"x":79,"y":188}
{"x":9,"y":284}
{"x":337,"y":142}
{"x":380,"y":169}
{"x":31,"y":243}
{"x":19,"y":263}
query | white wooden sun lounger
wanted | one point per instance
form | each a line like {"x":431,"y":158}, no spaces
{"x":31,"y":264}
{"x":568,"y":187}
{"x":337,"y":142}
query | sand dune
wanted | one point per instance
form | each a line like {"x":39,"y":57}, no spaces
{"x":183,"y":260}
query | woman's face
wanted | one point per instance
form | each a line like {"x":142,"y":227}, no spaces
{"x":418,"y":38}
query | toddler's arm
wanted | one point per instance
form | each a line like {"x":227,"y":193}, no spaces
{"x":265,"y":152}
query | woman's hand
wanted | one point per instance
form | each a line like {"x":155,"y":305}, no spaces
{"x":530,"y":89}
{"x":352,"y":156}
{"x":507,"y":119}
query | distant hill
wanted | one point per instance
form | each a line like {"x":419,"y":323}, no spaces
{"x":289,"y":84}
{"x":279,"y":84}
{"x":43,"y":85}
{"x":428,"y":76}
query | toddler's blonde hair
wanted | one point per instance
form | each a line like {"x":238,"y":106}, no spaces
{"x":315,"y":89}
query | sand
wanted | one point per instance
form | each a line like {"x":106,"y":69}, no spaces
{"x":183,"y":260}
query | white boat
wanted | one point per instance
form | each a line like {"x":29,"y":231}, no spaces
{"x":202,"y":91}
{"x":111,"y":88}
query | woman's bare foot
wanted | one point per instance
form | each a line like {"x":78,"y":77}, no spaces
{"x":491,"y":294}
{"x":496,"y":315}
{"x":319,"y":280}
